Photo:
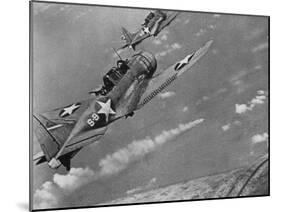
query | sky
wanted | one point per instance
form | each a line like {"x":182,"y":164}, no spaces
{"x":214,"y":118}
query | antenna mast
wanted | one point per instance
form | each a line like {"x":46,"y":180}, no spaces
{"x":117,"y":53}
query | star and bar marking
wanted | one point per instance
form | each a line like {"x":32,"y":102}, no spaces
{"x":69,"y":110}
{"x":105,"y":108}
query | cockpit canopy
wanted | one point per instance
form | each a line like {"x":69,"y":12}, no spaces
{"x":115,"y":74}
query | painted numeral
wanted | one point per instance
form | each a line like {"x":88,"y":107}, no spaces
{"x":91,"y":121}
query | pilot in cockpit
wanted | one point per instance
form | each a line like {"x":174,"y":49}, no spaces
{"x":115,"y":73}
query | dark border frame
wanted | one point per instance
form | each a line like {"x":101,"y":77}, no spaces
{"x":31,"y":106}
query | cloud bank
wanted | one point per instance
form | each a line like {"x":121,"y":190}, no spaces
{"x":52,"y":193}
{"x":141,"y":188}
{"x":259,"y":99}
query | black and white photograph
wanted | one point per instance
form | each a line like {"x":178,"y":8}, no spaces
{"x":146,"y":105}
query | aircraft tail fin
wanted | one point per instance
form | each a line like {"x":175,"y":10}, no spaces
{"x":126,"y":35}
{"x":48,"y":143}
{"x":39,"y":158}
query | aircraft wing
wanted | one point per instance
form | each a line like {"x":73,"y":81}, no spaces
{"x":166,"y":22}
{"x":52,"y":128}
{"x":132,"y":39}
{"x":140,"y":36}
{"x":161,"y":81}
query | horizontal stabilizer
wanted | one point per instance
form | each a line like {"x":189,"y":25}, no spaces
{"x":39,"y":158}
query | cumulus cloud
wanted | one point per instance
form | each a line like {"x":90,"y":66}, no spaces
{"x":74,"y":179}
{"x":259,"y":99}
{"x":261,"y":92}
{"x":260,"y":47}
{"x":167,"y":94}
{"x":259,"y":138}
{"x":144,"y":187}
{"x":226,"y":127}
{"x":47,"y":196}
{"x":118,"y":161}
{"x":170,"y":48}
{"x":51,"y":193}
{"x":185,"y":109}
{"x":241,"y":108}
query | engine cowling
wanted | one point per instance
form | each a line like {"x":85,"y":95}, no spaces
{"x":143,"y":63}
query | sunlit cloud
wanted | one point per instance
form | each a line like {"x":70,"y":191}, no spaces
{"x":185,"y":109}
{"x":166,"y":94}
{"x":226,"y":127}
{"x":257,"y":100}
{"x":259,"y":138}
{"x":52,"y":193}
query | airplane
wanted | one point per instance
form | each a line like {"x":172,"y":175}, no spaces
{"x":64,"y":131}
{"x":152,"y":27}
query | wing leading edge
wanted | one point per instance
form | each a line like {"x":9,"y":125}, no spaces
{"x":161,"y":81}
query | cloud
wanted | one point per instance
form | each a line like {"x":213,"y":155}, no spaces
{"x":51,"y":193}
{"x":157,"y":42}
{"x":47,"y":196}
{"x":241,"y":108}
{"x":203,"y":99}
{"x":257,"y":67}
{"x":226,"y":127}
{"x":74,"y":179}
{"x":165,"y":95}
{"x":141,"y":188}
{"x":170,"y":48}
{"x":259,"y":99}
{"x":200,"y":32}
{"x":260,"y":47}
{"x":119,"y":160}
{"x":237,"y":81}
{"x":258,"y":138}
{"x":185,"y":109}
{"x":176,"y":46}
{"x":211,"y":26}
{"x":164,"y":37}
{"x":238,"y":76}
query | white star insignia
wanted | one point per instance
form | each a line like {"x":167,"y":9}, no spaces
{"x":106,"y":109}
{"x":69,"y":110}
